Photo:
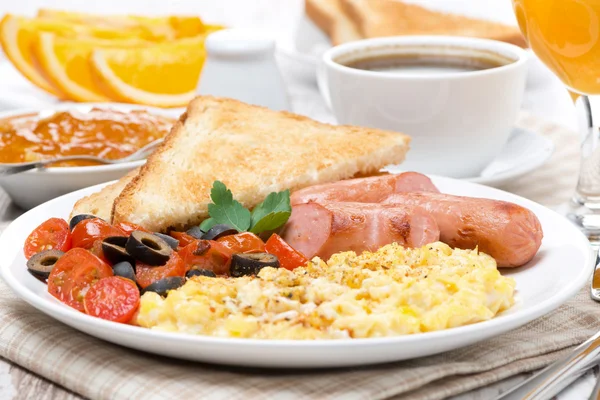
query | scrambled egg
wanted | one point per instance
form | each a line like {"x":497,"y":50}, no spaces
{"x":393,"y":291}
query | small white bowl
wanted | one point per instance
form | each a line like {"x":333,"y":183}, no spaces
{"x":31,"y":188}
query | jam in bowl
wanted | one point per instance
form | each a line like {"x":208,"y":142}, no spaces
{"x":105,"y":133}
{"x":108,"y":130}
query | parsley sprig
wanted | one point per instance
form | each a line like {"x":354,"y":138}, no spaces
{"x":269,"y":215}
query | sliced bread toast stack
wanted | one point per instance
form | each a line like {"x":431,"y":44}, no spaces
{"x":253,"y":150}
{"x":347,"y":20}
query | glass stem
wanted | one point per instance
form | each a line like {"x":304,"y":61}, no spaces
{"x":588,"y":184}
{"x":586,"y":200}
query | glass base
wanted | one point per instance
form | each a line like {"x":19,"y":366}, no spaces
{"x":585,"y":213}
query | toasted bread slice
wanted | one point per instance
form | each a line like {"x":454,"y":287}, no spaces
{"x":376,"y":18}
{"x":100,"y":203}
{"x":254,"y":151}
{"x":329,"y":17}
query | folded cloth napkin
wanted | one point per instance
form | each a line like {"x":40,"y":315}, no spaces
{"x":100,"y":370}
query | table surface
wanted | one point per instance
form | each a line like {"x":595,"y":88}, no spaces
{"x":547,"y":98}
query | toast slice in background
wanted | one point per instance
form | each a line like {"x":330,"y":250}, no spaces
{"x":254,"y":151}
{"x":100,"y":203}
{"x":377,"y":18}
{"x":330,"y":18}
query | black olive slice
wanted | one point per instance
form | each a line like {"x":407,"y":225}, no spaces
{"x":113,"y":249}
{"x":171,"y":241}
{"x":251,"y":264}
{"x":200,"y":272}
{"x":124,"y":269}
{"x":116,"y":240}
{"x":164,"y":285}
{"x":195,"y":232}
{"x":40,"y":264}
{"x":218,"y":231}
{"x":148,"y":248}
{"x":78,"y":218}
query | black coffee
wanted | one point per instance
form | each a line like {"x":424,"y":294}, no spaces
{"x":425,"y":63}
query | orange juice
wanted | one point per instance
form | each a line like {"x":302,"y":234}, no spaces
{"x":565,"y":35}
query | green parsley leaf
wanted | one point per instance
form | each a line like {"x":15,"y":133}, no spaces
{"x":273,"y":212}
{"x":207,"y":224}
{"x":271,"y":221}
{"x":219,"y":193}
{"x":226,"y":210}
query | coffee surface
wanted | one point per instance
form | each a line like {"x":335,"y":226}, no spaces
{"x":423,"y":63}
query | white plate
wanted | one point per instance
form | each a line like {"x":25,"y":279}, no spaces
{"x":524,"y":152}
{"x":562,"y":266}
{"x":35,"y":187}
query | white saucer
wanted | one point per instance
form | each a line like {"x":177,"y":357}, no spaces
{"x":524,"y":152}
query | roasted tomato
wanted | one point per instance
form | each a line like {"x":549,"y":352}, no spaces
{"x":245,"y":242}
{"x":52,"y":234}
{"x":145,"y":275}
{"x":113,"y":298}
{"x":184,"y":238}
{"x":207,"y":254}
{"x":88,"y":231}
{"x":128,"y":227}
{"x":289,"y":258}
{"x":96,"y":250}
{"x":74,"y":273}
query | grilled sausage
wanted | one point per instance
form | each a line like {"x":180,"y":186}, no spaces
{"x":324,"y":229}
{"x":508,"y":232}
{"x":365,"y":190}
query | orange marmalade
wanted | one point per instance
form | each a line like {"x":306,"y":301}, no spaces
{"x":100,"y":132}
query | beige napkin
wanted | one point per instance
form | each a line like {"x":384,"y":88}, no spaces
{"x":101,"y":370}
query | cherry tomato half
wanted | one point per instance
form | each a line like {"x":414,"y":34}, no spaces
{"x":52,"y":234}
{"x":96,"y":250}
{"x":113,"y":298}
{"x":145,"y":275}
{"x":128,"y":227}
{"x":289,"y":258}
{"x":74,"y":273}
{"x":184,"y":238}
{"x":88,"y":231}
{"x":245,"y":242}
{"x":207,"y":254}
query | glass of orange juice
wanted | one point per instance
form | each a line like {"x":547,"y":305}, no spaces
{"x":565,"y":35}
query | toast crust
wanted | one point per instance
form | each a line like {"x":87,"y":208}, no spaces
{"x":377,"y":18}
{"x":254,"y":151}
{"x":120,"y":213}
{"x":100,"y":203}
{"x":329,"y":17}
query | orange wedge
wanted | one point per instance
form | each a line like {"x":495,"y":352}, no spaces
{"x":17,"y":41}
{"x":66,"y":62}
{"x":150,"y":28}
{"x":161,"y":75}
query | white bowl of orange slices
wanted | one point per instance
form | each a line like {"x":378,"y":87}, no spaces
{"x":154,"y":61}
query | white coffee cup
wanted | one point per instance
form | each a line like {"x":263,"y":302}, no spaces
{"x":458,"y":121}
